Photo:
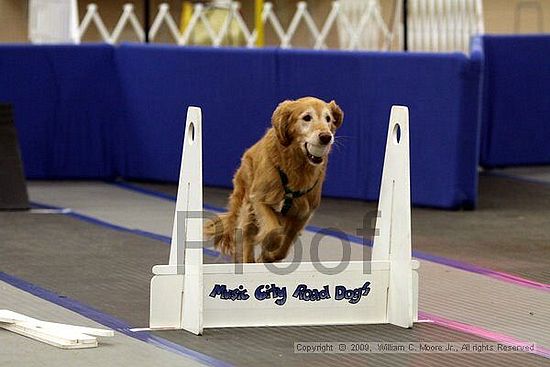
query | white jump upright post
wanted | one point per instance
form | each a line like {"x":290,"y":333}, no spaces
{"x":169,"y":309}
{"x":185,"y":294}
{"x":393,"y":242}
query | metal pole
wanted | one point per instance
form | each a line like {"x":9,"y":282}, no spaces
{"x":405,"y":25}
{"x":258,"y":9}
{"x":146,"y":15}
{"x":186,"y":14}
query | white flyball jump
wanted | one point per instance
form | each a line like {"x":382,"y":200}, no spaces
{"x":187,"y":294}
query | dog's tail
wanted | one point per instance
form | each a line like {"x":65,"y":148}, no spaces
{"x":222,"y":228}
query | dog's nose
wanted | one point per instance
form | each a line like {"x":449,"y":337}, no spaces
{"x":325,"y":138}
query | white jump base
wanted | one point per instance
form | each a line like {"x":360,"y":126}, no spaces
{"x":187,"y":294}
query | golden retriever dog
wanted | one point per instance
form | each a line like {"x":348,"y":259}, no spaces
{"x":278,"y":185}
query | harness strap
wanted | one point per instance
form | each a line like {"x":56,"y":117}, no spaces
{"x":290,"y":195}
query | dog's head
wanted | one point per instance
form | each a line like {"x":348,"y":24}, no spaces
{"x":308,"y":123}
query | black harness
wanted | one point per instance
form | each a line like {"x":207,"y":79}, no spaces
{"x":290,"y":195}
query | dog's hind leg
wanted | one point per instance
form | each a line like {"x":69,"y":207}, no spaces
{"x":222,"y":231}
{"x":249,"y":235}
{"x":245,"y":240}
{"x":223,"y":227}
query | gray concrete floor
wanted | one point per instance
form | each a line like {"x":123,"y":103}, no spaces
{"x":120,"y":350}
{"x":533,"y":173}
{"x":110,"y":269}
{"x":509,"y":231}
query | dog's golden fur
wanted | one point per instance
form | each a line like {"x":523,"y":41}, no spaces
{"x":254,"y":209}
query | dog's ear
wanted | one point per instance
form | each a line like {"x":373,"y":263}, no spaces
{"x":281,"y":122}
{"x":337,"y":113}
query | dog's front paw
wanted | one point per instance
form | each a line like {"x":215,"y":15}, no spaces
{"x":265,"y":258}
{"x":271,"y":257}
{"x":273,"y":240}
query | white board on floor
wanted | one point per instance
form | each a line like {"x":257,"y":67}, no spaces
{"x":59,"y":335}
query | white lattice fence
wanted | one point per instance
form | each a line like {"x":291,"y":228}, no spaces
{"x":444,"y":25}
{"x":164,"y":18}
{"x":362,"y":26}
{"x":370,"y":22}
{"x":434,"y":25}
{"x":128,"y":16}
{"x":353,"y":32}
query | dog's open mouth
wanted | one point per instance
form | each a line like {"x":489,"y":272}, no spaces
{"x":313,"y":158}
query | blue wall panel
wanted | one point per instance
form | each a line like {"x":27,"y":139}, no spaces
{"x":438,"y":89}
{"x":66,"y":101}
{"x":234,"y":88}
{"x":516,"y":101}
{"x":102,"y":111}
{"x":238,"y":90}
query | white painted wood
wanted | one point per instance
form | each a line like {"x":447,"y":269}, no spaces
{"x":168,"y":269}
{"x":255,"y":311}
{"x":393,"y":242}
{"x":384,"y":290}
{"x":415,"y":292}
{"x":59,"y":335}
{"x":168,"y":308}
{"x":8,"y":316}
{"x":229,"y":268}
{"x":7,"y":320}
{"x":166,"y":301}
{"x":191,"y":179}
{"x":302,"y":267}
{"x":57,"y":338}
{"x":80,"y":329}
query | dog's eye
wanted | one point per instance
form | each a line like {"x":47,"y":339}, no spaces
{"x":307,"y":118}
{"x":327,"y":118}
